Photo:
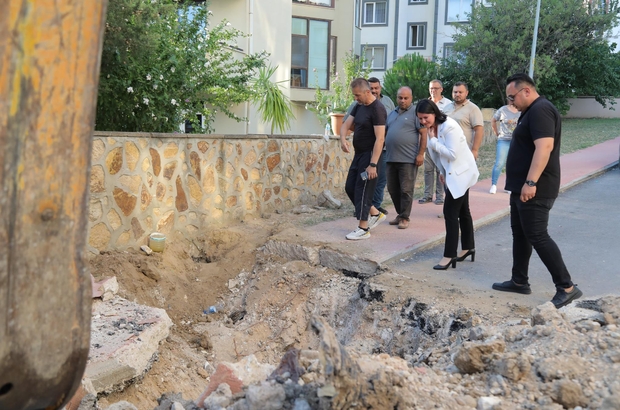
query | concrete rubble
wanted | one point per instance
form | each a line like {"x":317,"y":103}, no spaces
{"x":327,"y":199}
{"x":566,"y":358}
{"x":554,"y":361}
{"x":124,"y":342}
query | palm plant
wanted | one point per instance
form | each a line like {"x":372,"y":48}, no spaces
{"x":273,"y":105}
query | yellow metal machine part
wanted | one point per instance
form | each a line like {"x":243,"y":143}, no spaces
{"x":50,"y":54}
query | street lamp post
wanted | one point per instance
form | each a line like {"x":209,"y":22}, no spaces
{"x":533,"y":56}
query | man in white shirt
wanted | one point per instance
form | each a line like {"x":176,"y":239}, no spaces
{"x":431,"y":172}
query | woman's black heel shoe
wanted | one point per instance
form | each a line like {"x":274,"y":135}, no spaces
{"x":446,"y":266}
{"x":471,"y":252}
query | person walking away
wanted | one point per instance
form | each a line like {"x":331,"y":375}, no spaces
{"x":507,"y":117}
{"x":448,"y":146}
{"x":368,"y":117}
{"x":405,"y":143}
{"x":431,"y":172}
{"x":468,"y":115}
{"x":533,"y":178}
{"x":377,"y":199}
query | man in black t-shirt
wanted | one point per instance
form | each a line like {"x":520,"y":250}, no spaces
{"x":533,"y":178}
{"x":368,"y":117}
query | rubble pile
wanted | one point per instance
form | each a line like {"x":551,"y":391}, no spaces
{"x":344,"y":343}
{"x":560,"y":359}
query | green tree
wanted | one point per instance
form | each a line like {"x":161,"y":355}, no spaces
{"x":413,"y":71}
{"x":163,"y":63}
{"x":498,"y":40}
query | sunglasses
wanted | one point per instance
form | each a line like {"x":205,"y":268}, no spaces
{"x":511,"y":98}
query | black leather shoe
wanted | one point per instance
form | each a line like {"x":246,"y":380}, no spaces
{"x":445,"y":267}
{"x":471,"y":252}
{"x":510,"y":286}
{"x":563,"y":298}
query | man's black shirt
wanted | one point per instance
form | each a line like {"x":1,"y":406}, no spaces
{"x":541,"y":119}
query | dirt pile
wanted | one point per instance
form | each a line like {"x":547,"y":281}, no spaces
{"x":359,"y":344}
{"x":559,"y":359}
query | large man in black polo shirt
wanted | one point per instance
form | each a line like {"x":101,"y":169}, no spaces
{"x":369,"y":119}
{"x":533,"y":178}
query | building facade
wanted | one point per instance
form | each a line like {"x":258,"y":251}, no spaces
{"x":394,"y":28}
{"x":304,"y":38}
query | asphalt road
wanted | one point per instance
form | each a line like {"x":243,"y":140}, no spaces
{"x":584,"y":222}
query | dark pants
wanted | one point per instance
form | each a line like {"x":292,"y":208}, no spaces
{"x":456,"y":214}
{"x":360,"y":192}
{"x":401,"y":182}
{"x":377,"y":198}
{"x":529,"y":221}
{"x":431,"y":172}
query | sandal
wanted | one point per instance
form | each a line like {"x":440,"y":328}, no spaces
{"x":425,"y":201}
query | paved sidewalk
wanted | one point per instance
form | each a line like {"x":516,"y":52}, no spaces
{"x":388,"y":243}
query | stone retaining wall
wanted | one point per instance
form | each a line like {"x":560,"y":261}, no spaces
{"x":142,"y":183}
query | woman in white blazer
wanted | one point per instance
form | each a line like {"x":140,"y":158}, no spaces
{"x":458,"y":171}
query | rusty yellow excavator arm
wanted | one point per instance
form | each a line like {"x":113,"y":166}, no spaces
{"x":50,"y":53}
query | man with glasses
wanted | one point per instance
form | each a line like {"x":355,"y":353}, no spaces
{"x":533,"y":178}
{"x":468,"y":115}
{"x":431,"y":172}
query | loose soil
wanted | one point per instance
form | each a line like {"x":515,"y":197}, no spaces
{"x":265,"y":306}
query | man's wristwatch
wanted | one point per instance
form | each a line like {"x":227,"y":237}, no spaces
{"x":372,"y":164}
{"x":530,"y":182}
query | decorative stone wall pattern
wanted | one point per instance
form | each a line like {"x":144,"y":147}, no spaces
{"x":142,"y":182}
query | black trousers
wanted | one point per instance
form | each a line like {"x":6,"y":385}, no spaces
{"x":400,"y":183}
{"x":529,"y":221}
{"x":456,"y":214}
{"x":360,"y":192}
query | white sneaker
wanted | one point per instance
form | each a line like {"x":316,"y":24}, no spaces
{"x":493,"y":189}
{"x":507,"y":191}
{"x":358,"y":234}
{"x":373,"y":221}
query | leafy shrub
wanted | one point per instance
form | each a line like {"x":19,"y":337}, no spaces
{"x":163,"y":63}
{"x":413,"y":71}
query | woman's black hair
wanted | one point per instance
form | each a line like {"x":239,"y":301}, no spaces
{"x":429,"y":107}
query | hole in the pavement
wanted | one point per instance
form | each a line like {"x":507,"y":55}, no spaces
{"x":351,"y":274}
{"x":6,"y":389}
{"x":202,"y":258}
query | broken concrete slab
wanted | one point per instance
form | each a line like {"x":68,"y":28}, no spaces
{"x":328,"y":200}
{"x":292,"y":251}
{"x":125,"y":338}
{"x":105,"y":289}
{"x":338,"y":260}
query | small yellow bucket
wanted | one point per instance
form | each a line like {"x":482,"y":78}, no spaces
{"x":157,"y":241}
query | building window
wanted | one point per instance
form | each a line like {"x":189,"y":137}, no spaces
{"x":418,"y":1}
{"x":358,"y":17}
{"x":310,"y":53}
{"x":457,"y":10}
{"x":416,"y":35}
{"x":325,"y":3}
{"x":448,"y":51}
{"x":374,"y":56}
{"x":375,"y":12}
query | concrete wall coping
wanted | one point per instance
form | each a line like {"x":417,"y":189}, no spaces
{"x":163,"y":135}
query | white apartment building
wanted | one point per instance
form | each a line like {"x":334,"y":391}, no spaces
{"x":394,"y":28}
{"x":303,"y":37}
